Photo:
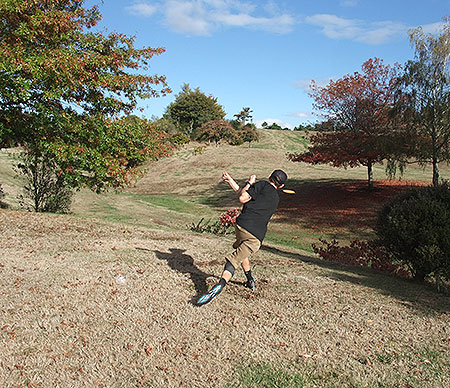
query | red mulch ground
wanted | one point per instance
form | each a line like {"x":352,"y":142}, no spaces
{"x":339,"y":204}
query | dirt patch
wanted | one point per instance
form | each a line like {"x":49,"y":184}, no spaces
{"x":88,"y":303}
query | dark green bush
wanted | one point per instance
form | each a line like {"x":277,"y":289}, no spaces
{"x":45,"y":189}
{"x":2,"y":196}
{"x":415,"y":228}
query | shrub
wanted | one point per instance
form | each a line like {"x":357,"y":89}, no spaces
{"x":228,"y":217}
{"x":248,"y":134}
{"x":178,"y":139}
{"x":45,"y":188}
{"x":415,"y":228}
{"x":2,"y":196}
{"x":220,"y":226}
{"x":235,"y":138}
{"x":208,"y":226}
{"x":215,"y":131}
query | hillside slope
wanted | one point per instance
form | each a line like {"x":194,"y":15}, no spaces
{"x":90,"y":303}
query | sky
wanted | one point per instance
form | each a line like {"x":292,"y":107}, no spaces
{"x":264,"y":54}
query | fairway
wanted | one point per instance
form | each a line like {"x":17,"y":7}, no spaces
{"x":104,"y":296}
{"x":179,"y":209}
{"x":88,"y":303}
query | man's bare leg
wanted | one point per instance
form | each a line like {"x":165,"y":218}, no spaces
{"x":246,"y":265}
{"x":227,"y":275}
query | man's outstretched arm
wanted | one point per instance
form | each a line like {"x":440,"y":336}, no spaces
{"x":242,"y":193}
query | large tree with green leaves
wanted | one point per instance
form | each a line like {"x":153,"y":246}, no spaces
{"x":63,"y":86}
{"x":426,"y":100}
{"x":192,"y":108}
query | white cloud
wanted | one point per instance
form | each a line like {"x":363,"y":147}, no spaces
{"x":383,"y":32}
{"x":203,"y":17}
{"x":349,"y":3}
{"x":305,"y":83}
{"x":434,"y":28}
{"x":269,"y":121}
{"x":188,"y":17}
{"x":278,"y":24}
{"x":142,"y":9}
{"x":336,"y":27}
{"x":301,"y":115}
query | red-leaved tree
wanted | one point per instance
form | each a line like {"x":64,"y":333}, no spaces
{"x":215,"y":131}
{"x":358,"y":105}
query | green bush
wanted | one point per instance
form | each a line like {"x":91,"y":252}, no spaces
{"x":2,"y":197}
{"x":45,"y":188}
{"x":178,"y":139}
{"x":415,"y":228}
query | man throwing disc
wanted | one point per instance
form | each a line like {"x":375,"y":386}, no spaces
{"x":260,"y":200}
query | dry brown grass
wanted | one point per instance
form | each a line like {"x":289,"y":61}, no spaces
{"x":86,"y":303}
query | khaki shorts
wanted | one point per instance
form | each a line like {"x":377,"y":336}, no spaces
{"x":245,"y":245}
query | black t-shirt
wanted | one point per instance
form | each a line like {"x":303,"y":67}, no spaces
{"x":256,"y":213}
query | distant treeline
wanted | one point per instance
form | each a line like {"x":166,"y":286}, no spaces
{"x":324,"y":126}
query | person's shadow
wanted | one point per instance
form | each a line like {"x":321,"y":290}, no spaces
{"x":179,"y":261}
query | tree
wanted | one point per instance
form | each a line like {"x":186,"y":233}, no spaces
{"x":248,"y":134}
{"x":358,"y":106}
{"x":244,"y":115}
{"x":63,"y":87}
{"x":216,"y":130}
{"x":426,"y":88}
{"x":327,"y":126}
{"x":192,"y":108}
{"x":303,"y":127}
{"x":274,"y":126}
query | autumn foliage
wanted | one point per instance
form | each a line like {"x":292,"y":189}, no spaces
{"x":63,"y":87}
{"x":215,"y":131}
{"x":228,"y":217}
{"x":358,"y":105}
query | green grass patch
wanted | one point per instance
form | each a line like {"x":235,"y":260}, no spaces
{"x":108,"y":212}
{"x":268,"y":376}
{"x":296,"y":140}
{"x":169,"y":202}
{"x":288,"y":241}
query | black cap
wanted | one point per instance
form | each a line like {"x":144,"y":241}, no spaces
{"x":279,"y":177}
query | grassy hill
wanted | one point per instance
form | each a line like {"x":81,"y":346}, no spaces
{"x":104,"y":296}
{"x":180,"y":190}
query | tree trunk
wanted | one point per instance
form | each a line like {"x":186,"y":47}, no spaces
{"x":35,"y":183}
{"x":435,"y":158}
{"x":370,"y":175}
{"x":435,"y":172}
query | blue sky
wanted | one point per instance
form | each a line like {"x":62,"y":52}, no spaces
{"x":263,"y":54}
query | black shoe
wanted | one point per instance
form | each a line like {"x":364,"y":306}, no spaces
{"x":216,"y":290}
{"x":251,"y":284}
